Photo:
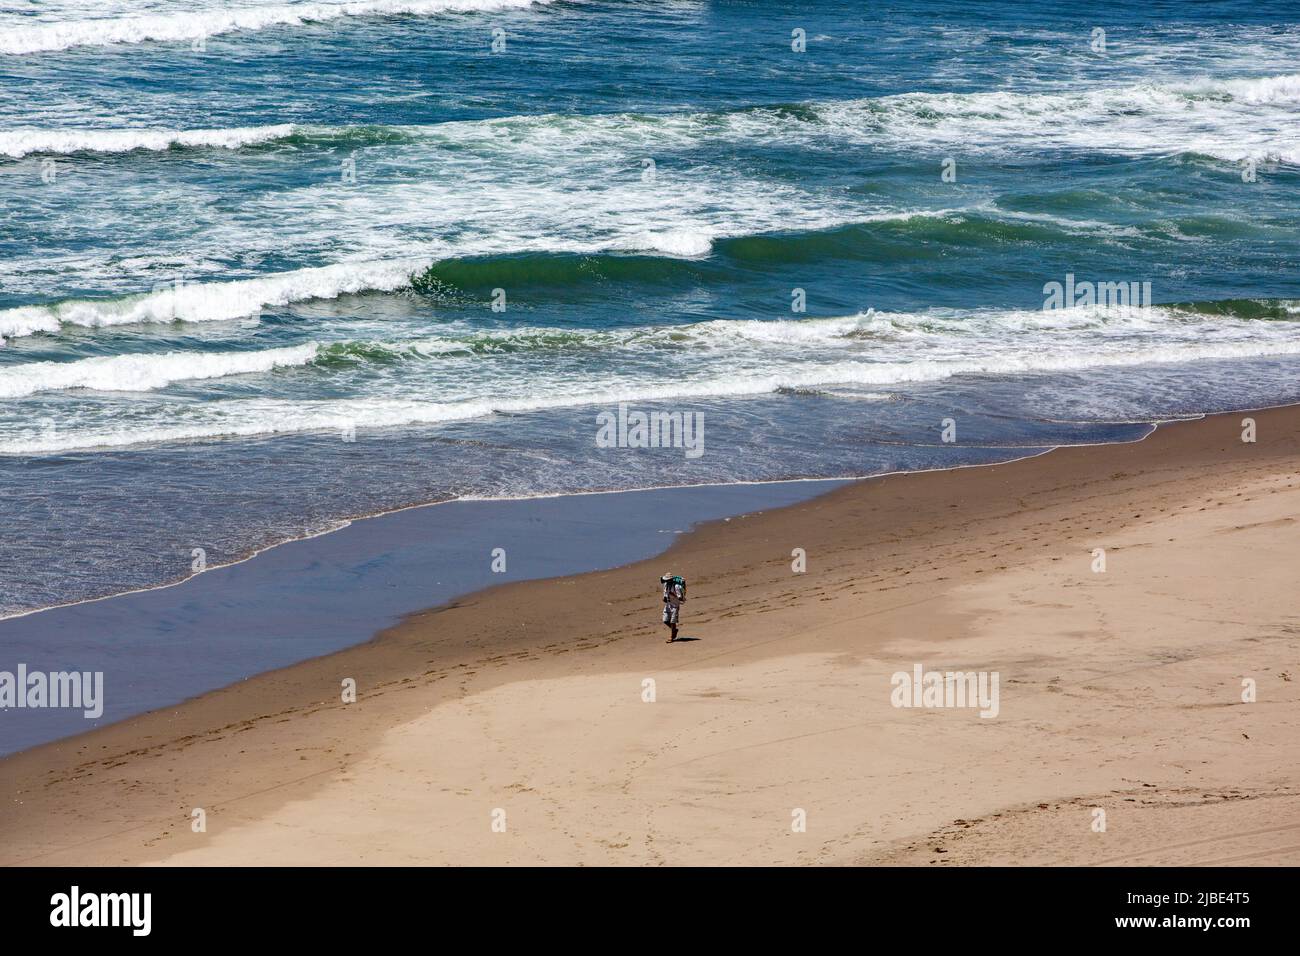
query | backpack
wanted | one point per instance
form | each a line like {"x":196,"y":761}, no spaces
{"x":679,"y":582}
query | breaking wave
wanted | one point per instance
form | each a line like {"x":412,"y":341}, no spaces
{"x":192,"y":25}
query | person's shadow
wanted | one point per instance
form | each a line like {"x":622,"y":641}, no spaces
{"x":682,"y":638}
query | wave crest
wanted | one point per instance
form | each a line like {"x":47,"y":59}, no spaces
{"x":22,"y":142}
{"x":192,"y":25}
{"x":144,"y":373}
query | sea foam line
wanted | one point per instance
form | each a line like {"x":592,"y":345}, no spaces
{"x":1211,"y":115}
{"x":17,"y":143}
{"x":191,"y":25}
{"x":237,"y":418}
{"x":213,"y":301}
{"x":144,"y":372}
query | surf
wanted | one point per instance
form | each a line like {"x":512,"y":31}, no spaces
{"x":465,"y":373}
{"x":187,"y":26}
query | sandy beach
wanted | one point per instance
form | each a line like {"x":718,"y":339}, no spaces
{"x":515,"y":726}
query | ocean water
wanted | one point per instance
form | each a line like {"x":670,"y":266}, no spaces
{"x":266,"y":265}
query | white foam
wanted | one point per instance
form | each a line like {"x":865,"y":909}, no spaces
{"x":1224,"y":118}
{"x":1228,"y":119}
{"x":794,"y":355}
{"x":21,"y":142}
{"x":511,"y":185}
{"x":680,"y":243}
{"x":46,"y":37}
{"x":213,"y":301}
{"x":591,"y":231}
{"x":144,"y":372}
{"x":1283,"y":89}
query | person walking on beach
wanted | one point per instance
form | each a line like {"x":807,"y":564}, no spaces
{"x":674,"y":597}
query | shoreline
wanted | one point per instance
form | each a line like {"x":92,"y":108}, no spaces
{"x":323,"y":593}
{"x":345,"y":523}
{"x":480,"y":657}
{"x":776,"y":486}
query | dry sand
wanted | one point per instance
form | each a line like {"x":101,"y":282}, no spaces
{"x":1119,"y":691}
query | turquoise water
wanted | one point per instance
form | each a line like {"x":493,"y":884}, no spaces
{"x":236,"y":233}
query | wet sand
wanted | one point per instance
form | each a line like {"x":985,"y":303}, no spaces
{"x":159,"y":647}
{"x":1121,"y":734}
